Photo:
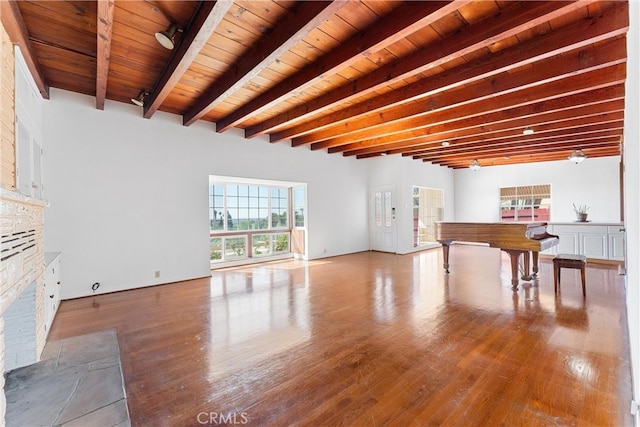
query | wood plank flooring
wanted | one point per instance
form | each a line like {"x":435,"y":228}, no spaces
{"x":370,"y":339}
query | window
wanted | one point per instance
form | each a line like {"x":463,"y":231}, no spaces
{"x":247,"y":207}
{"x":253,"y":220}
{"x":526,"y":203}
{"x":299,"y":203}
{"x":216,"y":207}
{"x":270,"y":244}
{"x":279,"y":208}
{"x":428,"y":207}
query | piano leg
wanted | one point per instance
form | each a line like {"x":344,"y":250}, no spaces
{"x":445,"y":255}
{"x":527,"y":261}
{"x":514,"y":255}
{"x":534,"y":255}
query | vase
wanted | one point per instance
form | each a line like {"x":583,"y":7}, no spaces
{"x":582,"y":217}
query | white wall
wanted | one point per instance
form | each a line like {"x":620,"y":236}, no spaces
{"x":632,"y":184}
{"x":129,"y":196}
{"x":404,"y":173}
{"x":594,"y":182}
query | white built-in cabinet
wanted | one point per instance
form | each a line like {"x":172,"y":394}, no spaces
{"x":52,"y":283}
{"x":594,"y":240}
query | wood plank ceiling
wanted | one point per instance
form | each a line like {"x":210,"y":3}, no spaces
{"x":441,"y":82}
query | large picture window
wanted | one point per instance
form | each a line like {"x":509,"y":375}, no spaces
{"x":253,"y":220}
{"x":525,"y":203}
{"x":235,"y":207}
{"x":428,"y":207}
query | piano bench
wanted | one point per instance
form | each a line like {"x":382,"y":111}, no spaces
{"x":569,"y":261}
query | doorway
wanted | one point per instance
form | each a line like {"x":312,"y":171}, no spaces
{"x":382,"y":219}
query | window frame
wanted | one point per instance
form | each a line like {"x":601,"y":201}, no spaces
{"x":534,"y":199}
{"x":274,"y":240}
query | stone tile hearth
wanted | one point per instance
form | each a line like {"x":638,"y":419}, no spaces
{"x":78,"y":382}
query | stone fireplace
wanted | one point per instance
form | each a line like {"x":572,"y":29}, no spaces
{"x":22,"y":323}
{"x":22,"y":318}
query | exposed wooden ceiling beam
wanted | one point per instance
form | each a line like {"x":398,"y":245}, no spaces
{"x":580,"y":35}
{"x":207,"y":18}
{"x":541,"y":150}
{"x":308,"y":16}
{"x":17,"y":31}
{"x":357,"y":78}
{"x":544,"y":122}
{"x":509,"y":23}
{"x":608,"y":125}
{"x":539,"y":116}
{"x":104,"y":31}
{"x":537,"y":157}
{"x":461,"y":118}
{"x":565,"y":136}
{"x":608,"y":139}
{"x":397,"y":25}
{"x":396,"y":119}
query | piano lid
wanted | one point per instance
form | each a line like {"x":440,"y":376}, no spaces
{"x":512,"y":235}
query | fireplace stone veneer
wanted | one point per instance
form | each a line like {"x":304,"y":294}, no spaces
{"x":21,"y":266}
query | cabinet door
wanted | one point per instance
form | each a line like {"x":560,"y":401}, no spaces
{"x":616,"y":245}
{"x":594,"y":245}
{"x":49,"y":281}
{"x":52,"y":280}
{"x":569,"y":242}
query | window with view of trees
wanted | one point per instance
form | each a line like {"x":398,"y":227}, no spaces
{"x":216,"y":204}
{"x":235,"y":207}
{"x":248,"y":220}
{"x":279,"y":207}
{"x":525,"y":203}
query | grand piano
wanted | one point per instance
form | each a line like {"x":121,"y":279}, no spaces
{"x":515,"y":238}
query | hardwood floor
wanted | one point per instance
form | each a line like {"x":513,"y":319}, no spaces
{"x":370,"y":339}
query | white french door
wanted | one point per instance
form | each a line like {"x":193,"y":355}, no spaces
{"x":382,"y":219}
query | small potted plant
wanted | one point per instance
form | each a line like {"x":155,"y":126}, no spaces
{"x":581,"y":212}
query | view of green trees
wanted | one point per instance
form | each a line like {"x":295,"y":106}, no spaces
{"x":277,"y":221}
{"x":253,"y":208}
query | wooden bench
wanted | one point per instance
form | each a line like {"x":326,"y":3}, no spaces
{"x":569,"y":261}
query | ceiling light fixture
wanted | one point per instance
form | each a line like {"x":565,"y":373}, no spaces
{"x":528,"y":131}
{"x":167,"y":37}
{"x":445,"y":143}
{"x":577,"y":156}
{"x":384,"y":153}
{"x":474,"y":165}
{"x":139,"y":100}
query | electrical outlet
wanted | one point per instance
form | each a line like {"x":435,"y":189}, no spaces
{"x":157,"y":274}
{"x":634,"y":407}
